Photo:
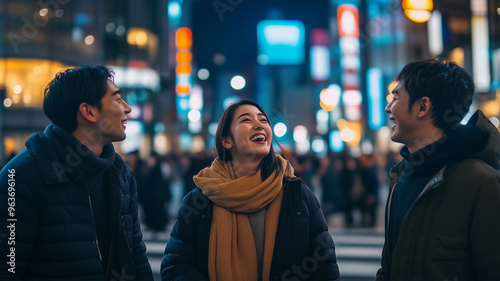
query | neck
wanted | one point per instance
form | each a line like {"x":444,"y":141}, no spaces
{"x":245,"y":167}
{"x":426,"y":137}
{"x":91,"y":140}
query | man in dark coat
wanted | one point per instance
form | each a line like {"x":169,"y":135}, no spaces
{"x":68,"y":199}
{"x":443,"y":212}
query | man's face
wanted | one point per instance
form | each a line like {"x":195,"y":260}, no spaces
{"x":112,"y":117}
{"x":404,"y":121}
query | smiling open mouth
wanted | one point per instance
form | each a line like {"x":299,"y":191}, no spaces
{"x":258,"y":138}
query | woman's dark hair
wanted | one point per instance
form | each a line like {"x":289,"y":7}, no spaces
{"x":448,"y":86}
{"x":72,"y":87}
{"x":269,"y":164}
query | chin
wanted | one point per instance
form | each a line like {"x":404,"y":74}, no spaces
{"x":263,"y":155}
{"x":120,"y":138}
{"x":257,"y":155}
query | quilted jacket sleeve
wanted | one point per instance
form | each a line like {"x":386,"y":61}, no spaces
{"x":17,"y":223}
{"x":321,"y":245}
{"x":142,"y":266}
{"x":381,"y":273}
{"x":181,"y":252}
{"x":485,"y":229}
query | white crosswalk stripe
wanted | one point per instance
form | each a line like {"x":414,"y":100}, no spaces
{"x":358,"y":252}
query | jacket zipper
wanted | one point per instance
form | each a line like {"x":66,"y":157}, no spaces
{"x":388,"y":216}
{"x":110,"y":253}
{"x":95,"y":231}
{"x":120,"y":228}
{"x":432,"y":184}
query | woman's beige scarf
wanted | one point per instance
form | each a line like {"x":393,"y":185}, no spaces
{"x":232,"y":255}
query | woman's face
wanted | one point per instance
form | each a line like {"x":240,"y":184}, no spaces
{"x":251,"y":135}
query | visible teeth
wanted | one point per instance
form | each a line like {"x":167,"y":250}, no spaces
{"x":258,"y":137}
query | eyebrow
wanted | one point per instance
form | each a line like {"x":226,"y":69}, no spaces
{"x":248,"y":114}
{"x":116,"y":92}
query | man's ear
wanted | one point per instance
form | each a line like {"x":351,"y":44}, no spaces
{"x":88,"y":112}
{"x":424,"y":107}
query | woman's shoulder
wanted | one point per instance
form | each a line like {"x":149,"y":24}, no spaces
{"x":195,"y":198}
{"x":301,"y":191}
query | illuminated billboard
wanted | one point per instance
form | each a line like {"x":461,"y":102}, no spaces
{"x":280,"y":42}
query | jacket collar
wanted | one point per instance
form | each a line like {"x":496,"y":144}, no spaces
{"x":491,"y":152}
{"x":54,"y":170}
{"x":396,"y":172}
{"x":294,"y":185}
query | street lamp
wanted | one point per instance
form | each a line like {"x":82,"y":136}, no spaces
{"x":418,"y":10}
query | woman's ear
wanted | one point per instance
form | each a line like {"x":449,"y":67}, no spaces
{"x":226,"y":143}
{"x":88,"y":112}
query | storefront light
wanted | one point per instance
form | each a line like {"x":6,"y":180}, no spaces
{"x":43,"y":12}
{"x":194,"y":115}
{"x":299,"y":134}
{"x":18,"y":89}
{"x":280,"y":129}
{"x":89,"y":40}
{"x":418,"y":10}
{"x":7,"y":102}
{"x":22,"y":79}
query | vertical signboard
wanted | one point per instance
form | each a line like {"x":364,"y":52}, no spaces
{"x":348,"y":23}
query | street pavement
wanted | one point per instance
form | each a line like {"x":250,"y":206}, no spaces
{"x":358,"y":251}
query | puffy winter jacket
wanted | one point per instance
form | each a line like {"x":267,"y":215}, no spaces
{"x":54,"y":236}
{"x":303,"y":250}
{"x":452,"y":231}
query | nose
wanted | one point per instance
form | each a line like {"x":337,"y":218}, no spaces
{"x":388,"y":107}
{"x":257,"y":125}
{"x":127,"y":107}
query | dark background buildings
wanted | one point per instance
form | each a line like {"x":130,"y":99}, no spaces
{"x":137,"y":39}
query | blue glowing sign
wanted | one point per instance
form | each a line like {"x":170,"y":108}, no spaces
{"x":280,"y":42}
{"x":375,"y":98}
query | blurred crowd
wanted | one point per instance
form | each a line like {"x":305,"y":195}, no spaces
{"x":348,"y":188}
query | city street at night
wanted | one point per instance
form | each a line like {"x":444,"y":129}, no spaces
{"x":261,"y":129}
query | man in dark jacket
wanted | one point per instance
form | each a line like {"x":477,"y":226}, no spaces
{"x":443,"y":212}
{"x":69,"y":202}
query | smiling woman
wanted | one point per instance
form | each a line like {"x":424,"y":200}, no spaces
{"x":248,"y":208}
{"x":244,"y":137}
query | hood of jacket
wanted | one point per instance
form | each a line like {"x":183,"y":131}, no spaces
{"x":490,"y":153}
{"x":477,"y":139}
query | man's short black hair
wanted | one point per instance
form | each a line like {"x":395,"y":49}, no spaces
{"x":448,"y":86}
{"x":72,"y":87}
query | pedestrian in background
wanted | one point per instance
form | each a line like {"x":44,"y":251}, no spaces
{"x":333,"y":196}
{"x":75,"y":198}
{"x":443,"y":212}
{"x":249,"y":218}
{"x":353,"y":198}
{"x":368,"y":172}
{"x":140,"y":170}
{"x":156,"y":196}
